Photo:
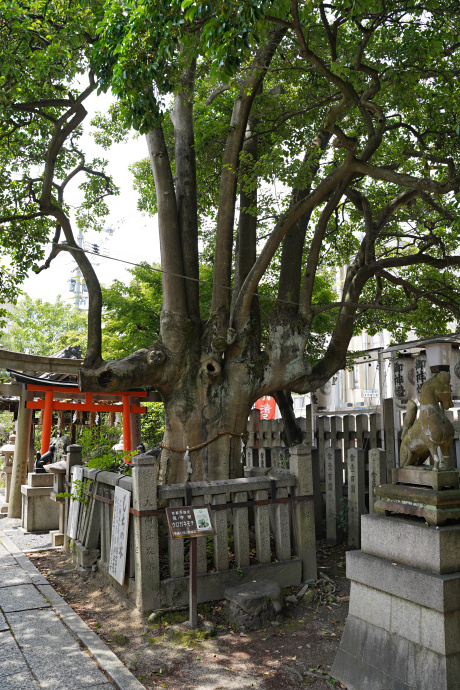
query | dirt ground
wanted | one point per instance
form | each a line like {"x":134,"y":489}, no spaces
{"x":298,"y":652}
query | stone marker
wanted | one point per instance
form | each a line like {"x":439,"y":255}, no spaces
{"x":304,"y":511}
{"x":333,"y":468}
{"x":146,"y":561}
{"x":377,"y":474}
{"x":252,"y":605}
{"x":356,"y":488}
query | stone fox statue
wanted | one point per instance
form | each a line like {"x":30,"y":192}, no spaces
{"x":421,"y":437}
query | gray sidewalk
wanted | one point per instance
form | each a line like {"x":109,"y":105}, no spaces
{"x":43,"y":642}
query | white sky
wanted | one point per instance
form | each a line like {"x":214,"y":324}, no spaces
{"x":136,"y":236}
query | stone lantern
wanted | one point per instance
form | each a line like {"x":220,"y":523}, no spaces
{"x":8,"y":451}
{"x":404,"y":378}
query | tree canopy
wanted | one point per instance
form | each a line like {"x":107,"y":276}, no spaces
{"x":284,"y":139}
{"x":37,"y":327}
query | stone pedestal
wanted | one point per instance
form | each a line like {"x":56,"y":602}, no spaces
{"x":39,"y":512}
{"x":403,"y":627}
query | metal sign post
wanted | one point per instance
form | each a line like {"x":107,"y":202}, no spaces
{"x":193,"y":522}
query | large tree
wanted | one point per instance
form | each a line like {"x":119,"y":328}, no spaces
{"x":284,"y":139}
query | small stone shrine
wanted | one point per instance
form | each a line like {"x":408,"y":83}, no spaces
{"x":403,"y":626}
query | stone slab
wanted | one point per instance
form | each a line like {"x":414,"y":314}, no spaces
{"x":410,"y":542}
{"x":58,"y":661}
{"x":426,"y":476}
{"x":13,"y":575}
{"x":437,"y":592}
{"x":3,"y":623}
{"x":32,"y":492}
{"x":11,"y":659}
{"x":123,"y":678}
{"x":19,"y":681}
{"x":55,"y":669}
{"x":7,"y":561}
{"x":21,"y":598}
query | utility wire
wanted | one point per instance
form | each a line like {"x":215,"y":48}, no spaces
{"x":178,"y":275}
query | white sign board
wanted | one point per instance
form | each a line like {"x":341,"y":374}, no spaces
{"x":74,"y":506}
{"x":372,"y":393}
{"x":119,"y":539}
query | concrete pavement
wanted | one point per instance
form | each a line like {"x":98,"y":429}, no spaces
{"x":43,"y":642}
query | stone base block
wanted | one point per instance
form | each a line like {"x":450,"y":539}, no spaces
{"x":403,"y":627}
{"x":57,"y":538}
{"x":85,"y":557}
{"x":426,"y":476}
{"x":434,"y":506}
{"x":252,"y":605}
{"x":412,"y":543}
{"x":38,"y":479}
{"x":3,"y":509}
{"x":371,"y":658}
{"x":39,"y":513}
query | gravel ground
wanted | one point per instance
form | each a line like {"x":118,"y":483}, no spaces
{"x":9,"y":527}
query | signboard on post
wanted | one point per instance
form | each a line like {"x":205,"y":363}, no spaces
{"x":119,"y":538}
{"x":74,"y":505}
{"x":190,"y":521}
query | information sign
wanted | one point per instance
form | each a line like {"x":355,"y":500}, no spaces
{"x":372,"y":393}
{"x":190,"y":521}
{"x":119,"y":538}
{"x":74,"y":506}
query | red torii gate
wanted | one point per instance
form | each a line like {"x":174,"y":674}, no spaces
{"x":48,"y":405}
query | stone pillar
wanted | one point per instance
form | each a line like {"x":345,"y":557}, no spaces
{"x":318,"y":495}
{"x":374,"y":429}
{"x":303,"y":511}
{"x":322,"y":443}
{"x":73,"y":458}
{"x":390,"y":434}
{"x":334,"y":481}
{"x":403,"y":623}
{"x":377,"y":473}
{"x":309,"y":426}
{"x":362,"y":434}
{"x":348,"y":430}
{"x":252,"y":457}
{"x":146,"y":546}
{"x":136,"y":436}
{"x":21,"y":456}
{"x":356,"y":489}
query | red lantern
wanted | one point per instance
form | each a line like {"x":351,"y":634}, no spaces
{"x":267,"y":406}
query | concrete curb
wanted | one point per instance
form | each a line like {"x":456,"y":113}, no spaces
{"x":107,"y":660}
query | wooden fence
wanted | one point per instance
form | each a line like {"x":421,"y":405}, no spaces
{"x":265,"y":528}
{"x":351,"y":455}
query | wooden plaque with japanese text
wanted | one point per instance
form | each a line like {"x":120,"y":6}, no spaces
{"x":190,"y":521}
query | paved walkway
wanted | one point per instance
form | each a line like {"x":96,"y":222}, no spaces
{"x":43,"y":642}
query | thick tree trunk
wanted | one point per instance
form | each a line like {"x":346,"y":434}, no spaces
{"x":292,"y":430}
{"x":211,"y":420}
